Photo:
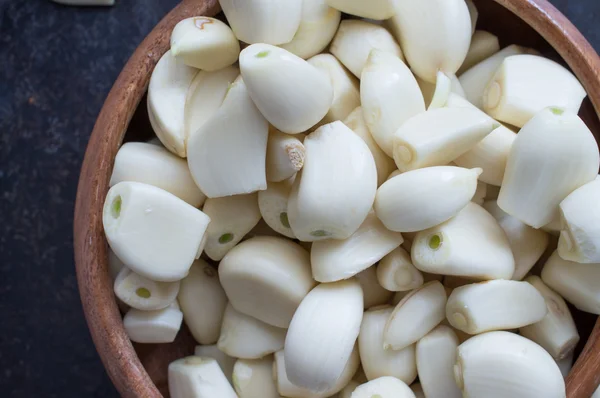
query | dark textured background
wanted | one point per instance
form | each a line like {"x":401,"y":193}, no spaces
{"x":56,"y":66}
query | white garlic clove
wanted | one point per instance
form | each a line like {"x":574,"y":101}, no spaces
{"x":142,"y":293}
{"x":483,"y":45}
{"x":188,"y":376}
{"x":373,"y":293}
{"x":273,"y":205}
{"x":396,"y":272}
{"x":285,"y":156}
{"x":384,"y":387}
{"x":440,"y":91}
{"x":253,"y":378}
{"x":158,"y":326}
{"x":377,"y":9}
{"x":226,"y":363}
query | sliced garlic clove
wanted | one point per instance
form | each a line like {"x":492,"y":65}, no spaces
{"x":377,"y":9}
{"x":410,"y":202}
{"x":527,"y":244}
{"x":154,"y":233}
{"x":384,"y":387}
{"x":273,"y":205}
{"x":167,"y":92}
{"x":480,"y":193}
{"x":395,"y":272}
{"x":417,"y":389}
{"x":443,"y":88}
{"x":520,"y":89}
{"x":273,"y":74}
{"x":333,"y":260}
{"x":354,"y":41}
{"x":203,"y":302}
{"x":285,"y":156}
{"x":322,"y":335}
{"x":267,"y":278}
{"x":336,"y":189}
{"x":389,"y":95}
{"x":436,"y":356}
{"x":158,"y":326}
{"x":377,"y":361}
{"x":557,"y":332}
{"x":253,"y":378}
{"x":373,"y":294}
{"x":260,"y":21}
{"x":471,"y":244}
{"x":503,"y":364}
{"x":483,"y":45}
{"x":142,"y":293}
{"x":204,"y":43}
{"x":188,"y":378}
{"x":226,"y":363}
{"x":423,"y":308}
{"x":577,"y":283}
{"x":553,"y":154}
{"x":565,"y":366}
{"x":434,"y":35}
{"x":233,"y":161}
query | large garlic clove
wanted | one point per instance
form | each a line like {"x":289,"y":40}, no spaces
{"x":260,"y":21}
{"x":580,"y":236}
{"x":495,"y":305}
{"x":273,"y":205}
{"x":336,"y":189}
{"x":226,"y":363}
{"x":188,"y":378}
{"x":395,"y":272}
{"x":434,"y":35}
{"x":491,"y":153}
{"x":471,"y":244}
{"x":158,"y":326}
{"x":318,"y":24}
{"x":267,"y":278}
{"x":204,"y":43}
{"x":384,"y":164}
{"x":389,"y":95}
{"x":577,"y":283}
{"x":377,"y":9}
{"x":377,"y":361}
{"x":554,"y":154}
{"x":253,"y":378}
{"x":333,"y":260}
{"x":203,"y":302}
{"x":410,"y":202}
{"x":556,"y":332}
{"x":322,"y":335}
{"x":503,"y":364}
{"x":526,"y":84}
{"x":384,"y":387}
{"x":292,"y":94}
{"x":483,"y":45}
{"x":142,"y":293}
{"x":373,"y":293}
{"x":167,"y":92}
{"x":231,"y":162}
{"x":154,"y":165}
{"x":154,"y":233}
{"x":355,"y":40}
{"x":232,"y":217}
{"x":423,"y":308}
{"x":436,"y":355}
{"x":285,"y":156}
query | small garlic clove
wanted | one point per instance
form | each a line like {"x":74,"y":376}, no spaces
{"x":473,"y":14}
{"x":483,"y":45}
{"x":253,"y":378}
{"x":389,"y":95}
{"x":423,"y":308}
{"x":142,"y":293}
{"x":285,"y":156}
{"x":226,"y":363}
{"x":480,"y":193}
{"x":384,"y":387}
{"x":158,"y":326}
{"x":396,"y":272}
{"x":188,"y":376}
{"x":373,"y":293}
{"x":354,"y":41}
{"x":443,"y":88}
{"x":553,"y":154}
{"x":376,"y":9}
{"x":273,"y":205}
{"x":267,"y":278}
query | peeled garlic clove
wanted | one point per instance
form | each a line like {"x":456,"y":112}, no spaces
{"x":354,"y":41}
{"x":267,"y":278}
{"x":577,"y":283}
{"x":253,"y":378}
{"x":204,"y":43}
{"x":527,"y":244}
{"x":336,"y":189}
{"x":167,"y":92}
{"x":554,"y":154}
{"x":259,"y":21}
{"x":556,"y":332}
{"x":226,"y":363}
{"x":520,"y":89}
{"x":273,"y":205}
{"x":333,"y":260}
{"x":423,"y":308}
{"x":373,"y":293}
{"x":154,"y":233}
{"x":443,"y":88}
{"x":285,"y":156}
{"x":308,"y":92}
{"x":471,"y":244}
{"x":480,"y":193}
{"x":318,"y":24}
{"x":395,"y":272}
{"x":142,"y":293}
{"x":377,"y":9}
{"x":188,"y":376}
{"x":231,"y":162}
{"x":322,"y":335}
{"x":580,"y":236}
{"x":377,"y":361}
{"x":483,"y":45}
{"x":503,"y":364}
{"x":434,"y":34}
{"x":203,"y":302}
{"x":411,"y":202}
{"x":389,"y":95}
{"x":436,"y":355}
{"x":157,"y":326}
{"x":384,"y":387}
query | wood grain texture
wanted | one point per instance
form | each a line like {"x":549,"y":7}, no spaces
{"x":140,"y":370}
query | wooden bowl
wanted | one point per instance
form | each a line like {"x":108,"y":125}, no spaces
{"x":140,"y":370}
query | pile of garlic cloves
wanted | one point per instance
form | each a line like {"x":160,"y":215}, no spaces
{"x":353,"y":207}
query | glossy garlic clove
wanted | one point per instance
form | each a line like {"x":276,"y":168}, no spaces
{"x":396,"y":273}
{"x":273,"y":205}
{"x":187,"y":378}
{"x":155,"y":327}
{"x":373,"y":293}
{"x":253,"y":378}
{"x":142,"y":293}
{"x":226,"y":363}
{"x":483,"y":45}
{"x":384,"y":387}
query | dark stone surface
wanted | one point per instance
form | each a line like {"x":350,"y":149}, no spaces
{"x":56,"y":66}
